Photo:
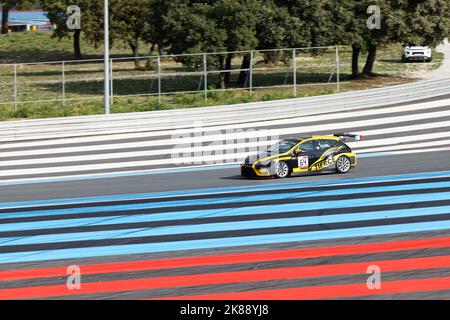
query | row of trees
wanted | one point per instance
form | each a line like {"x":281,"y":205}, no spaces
{"x":194,"y":26}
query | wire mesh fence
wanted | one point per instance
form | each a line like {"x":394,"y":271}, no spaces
{"x":62,"y":82}
{"x":205,"y":74}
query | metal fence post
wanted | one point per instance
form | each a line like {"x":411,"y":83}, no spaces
{"x":294,"y":60}
{"x":338,"y":84}
{"x":15,"y":87}
{"x":251,"y":72}
{"x":63,"y":84}
{"x":111,"y":86}
{"x":159,"y":79}
{"x":205,"y":70}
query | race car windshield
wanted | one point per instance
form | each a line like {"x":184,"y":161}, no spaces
{"x":283,"y":146}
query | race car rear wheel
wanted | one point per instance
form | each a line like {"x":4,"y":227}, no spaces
{"x":343,"y":164}
{"x":282,"y":170}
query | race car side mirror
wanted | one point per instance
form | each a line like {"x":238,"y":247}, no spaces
{"x":297,"y":151}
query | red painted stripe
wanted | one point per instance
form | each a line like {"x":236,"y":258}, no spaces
{"x":224,"y":259}
{"x":329,"y":292}
{"x":227,"y":277}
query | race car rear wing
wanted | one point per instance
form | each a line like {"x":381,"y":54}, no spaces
{"x":344,"y":136}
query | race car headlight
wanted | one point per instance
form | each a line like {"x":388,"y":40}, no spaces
{"x":264,"y":164}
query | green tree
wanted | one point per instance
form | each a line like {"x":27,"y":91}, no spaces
{"x":330,"y":22}
{"x":127,"y":20}
{"x":319,"y":21}
{"x":129,"y":23}
{"x":276,"y":28}
{"x":414,"y":21}
{"x":425,"y":21}
{"x":211,"y":26}
{"x":370,"y":39}
{"x":154,"y":23}
{"x":56,"y":12}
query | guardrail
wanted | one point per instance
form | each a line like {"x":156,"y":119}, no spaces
{"x":207,"y":117}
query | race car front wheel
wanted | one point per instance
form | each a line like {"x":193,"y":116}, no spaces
{"x":282,"y":170}
{"x":343,"y":164}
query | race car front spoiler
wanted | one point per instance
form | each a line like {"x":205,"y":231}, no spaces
{"x":250,"y":171}
{"x":247,"y":171}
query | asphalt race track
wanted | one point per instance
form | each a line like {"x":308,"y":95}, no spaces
{"x":206,"y":233}
{"x":306,"y":237}
{"x":217,"y":177}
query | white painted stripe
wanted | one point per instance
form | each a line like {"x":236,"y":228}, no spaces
{"x":440,"y":143}
{"x":233,"y":136}
{"x":119,"y":165}
{"x":397,"y":140}
{"x":252,"y":146}
{"x":391,"y":130}
{"x":128,"y":155}
{"x":419,"y":151}
{"x":175,"y":169}
{"x":115,"y":134}
{"x":219,"y":158}
{"x":87,"y":175}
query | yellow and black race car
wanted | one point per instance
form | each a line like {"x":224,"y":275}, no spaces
{"x":299,"y":155}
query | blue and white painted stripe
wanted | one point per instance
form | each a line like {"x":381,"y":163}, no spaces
{"x":200,"y":192}
{"x":407,"y":214}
